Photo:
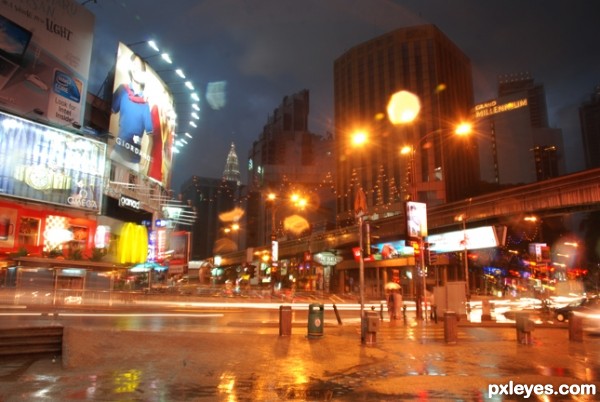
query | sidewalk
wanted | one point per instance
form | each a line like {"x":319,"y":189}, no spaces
{"x":253,"y":363}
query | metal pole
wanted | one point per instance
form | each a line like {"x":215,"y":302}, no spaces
{"x":424,"y":279}
{"x":273,"y":238}
{"x":466,"y":264}
{"x":361,"y":281}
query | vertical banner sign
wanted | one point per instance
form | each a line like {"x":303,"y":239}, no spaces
{"x":45,"y":55}
{"x":416,"y":220}
{"x":180,"y":244}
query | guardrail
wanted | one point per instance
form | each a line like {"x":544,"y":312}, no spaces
{"x":31,"y":340}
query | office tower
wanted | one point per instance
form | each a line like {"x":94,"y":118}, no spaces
{"x":516,"y":145}
{"x":288,"y":158}
{"x":209,"y":197}
{"x":589,"y":116}
{"x":423,"y":61}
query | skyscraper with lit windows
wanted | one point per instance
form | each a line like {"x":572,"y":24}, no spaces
{"x":441,"y":166}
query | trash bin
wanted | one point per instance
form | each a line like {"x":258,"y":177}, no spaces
{"x":450,"y":327}
{"x":315,"y":320}
{"x":285,"y":320}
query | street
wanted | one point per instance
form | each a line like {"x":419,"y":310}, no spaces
{"x":218,"y":353}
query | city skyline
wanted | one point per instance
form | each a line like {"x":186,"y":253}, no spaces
{"x":261,"y":52}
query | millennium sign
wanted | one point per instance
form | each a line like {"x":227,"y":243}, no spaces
{"x":490,"y":108}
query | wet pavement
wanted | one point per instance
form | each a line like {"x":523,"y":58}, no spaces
{"x":254,"y":363}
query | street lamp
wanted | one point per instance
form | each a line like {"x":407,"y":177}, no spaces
{"x":359,"y":139}
{"x":298,"y":202}
{"x":462,"y":129}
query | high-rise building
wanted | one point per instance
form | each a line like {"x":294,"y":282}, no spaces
{"x":209,"y":197}
{"x":232,"y":167}
{"x":516,"y":145}
{"x":288,"y":158}
{"x":423,"y":61}
{"x":589,"y":116}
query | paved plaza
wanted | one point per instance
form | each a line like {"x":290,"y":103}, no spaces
{"x":407,"y":361}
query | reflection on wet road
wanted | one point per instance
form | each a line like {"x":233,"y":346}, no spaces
{"x":407,"y":362}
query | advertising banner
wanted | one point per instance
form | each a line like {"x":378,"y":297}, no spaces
{"x":45,"y":53}
{"x":416,"y":220}
{"x":471,"y":239}
{"x":142,"y":119}
{"x":180,"y":244}
{"x":50,"y":165}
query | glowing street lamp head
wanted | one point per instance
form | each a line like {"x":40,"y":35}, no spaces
{"x":406,"y":150}
{"x":463,"y":129}
{"x":359,"y":138}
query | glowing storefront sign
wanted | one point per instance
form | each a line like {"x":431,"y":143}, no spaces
{"x":477,"y":238}
{"x":492,"y":107}
{"x":50,"y":165}
{"x":129,"y":203}
{"x":133,"y":244}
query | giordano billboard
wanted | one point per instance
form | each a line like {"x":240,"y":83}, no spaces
{"x":41,"y":163}
{"x":143,"y":119}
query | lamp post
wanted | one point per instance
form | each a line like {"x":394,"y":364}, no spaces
{"x":271,"y":197}
{"x":461,"y":129}
{"x":359,"y":139}
{"x":360,"y":208}
{"x":463,"y":220}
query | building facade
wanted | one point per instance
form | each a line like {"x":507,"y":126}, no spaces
{"x":516,"y":144}
{"x":423,"y":61}
{"x":209,"y":197}
{"x":288,"y":159}
{"x":589,"y":116}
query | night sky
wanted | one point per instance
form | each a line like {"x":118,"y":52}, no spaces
{"x":267,"y":49}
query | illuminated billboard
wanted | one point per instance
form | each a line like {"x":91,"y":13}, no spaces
{"x":50,"y":165}
{"x":142,"y":120}
{"x":416,"y":220}
{"x":471,"y":239}
{"x":45,"y":53}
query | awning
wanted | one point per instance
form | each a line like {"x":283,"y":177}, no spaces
{"x":55,"y":262}
{"x":393,"y":262}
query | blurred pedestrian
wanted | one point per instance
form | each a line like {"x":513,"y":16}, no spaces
{"x":390,"y":306}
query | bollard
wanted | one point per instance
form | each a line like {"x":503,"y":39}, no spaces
{"x":434,"y":313}
{"x":372,"y":328}
{"x":315,"y":320}
{"x":337,"y":315}
{"x":450,"y":327}
{"x":524,"y":328}
{"x":285,"y":320}
{"x":486,"y":314}
{"x":575,"y":328}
